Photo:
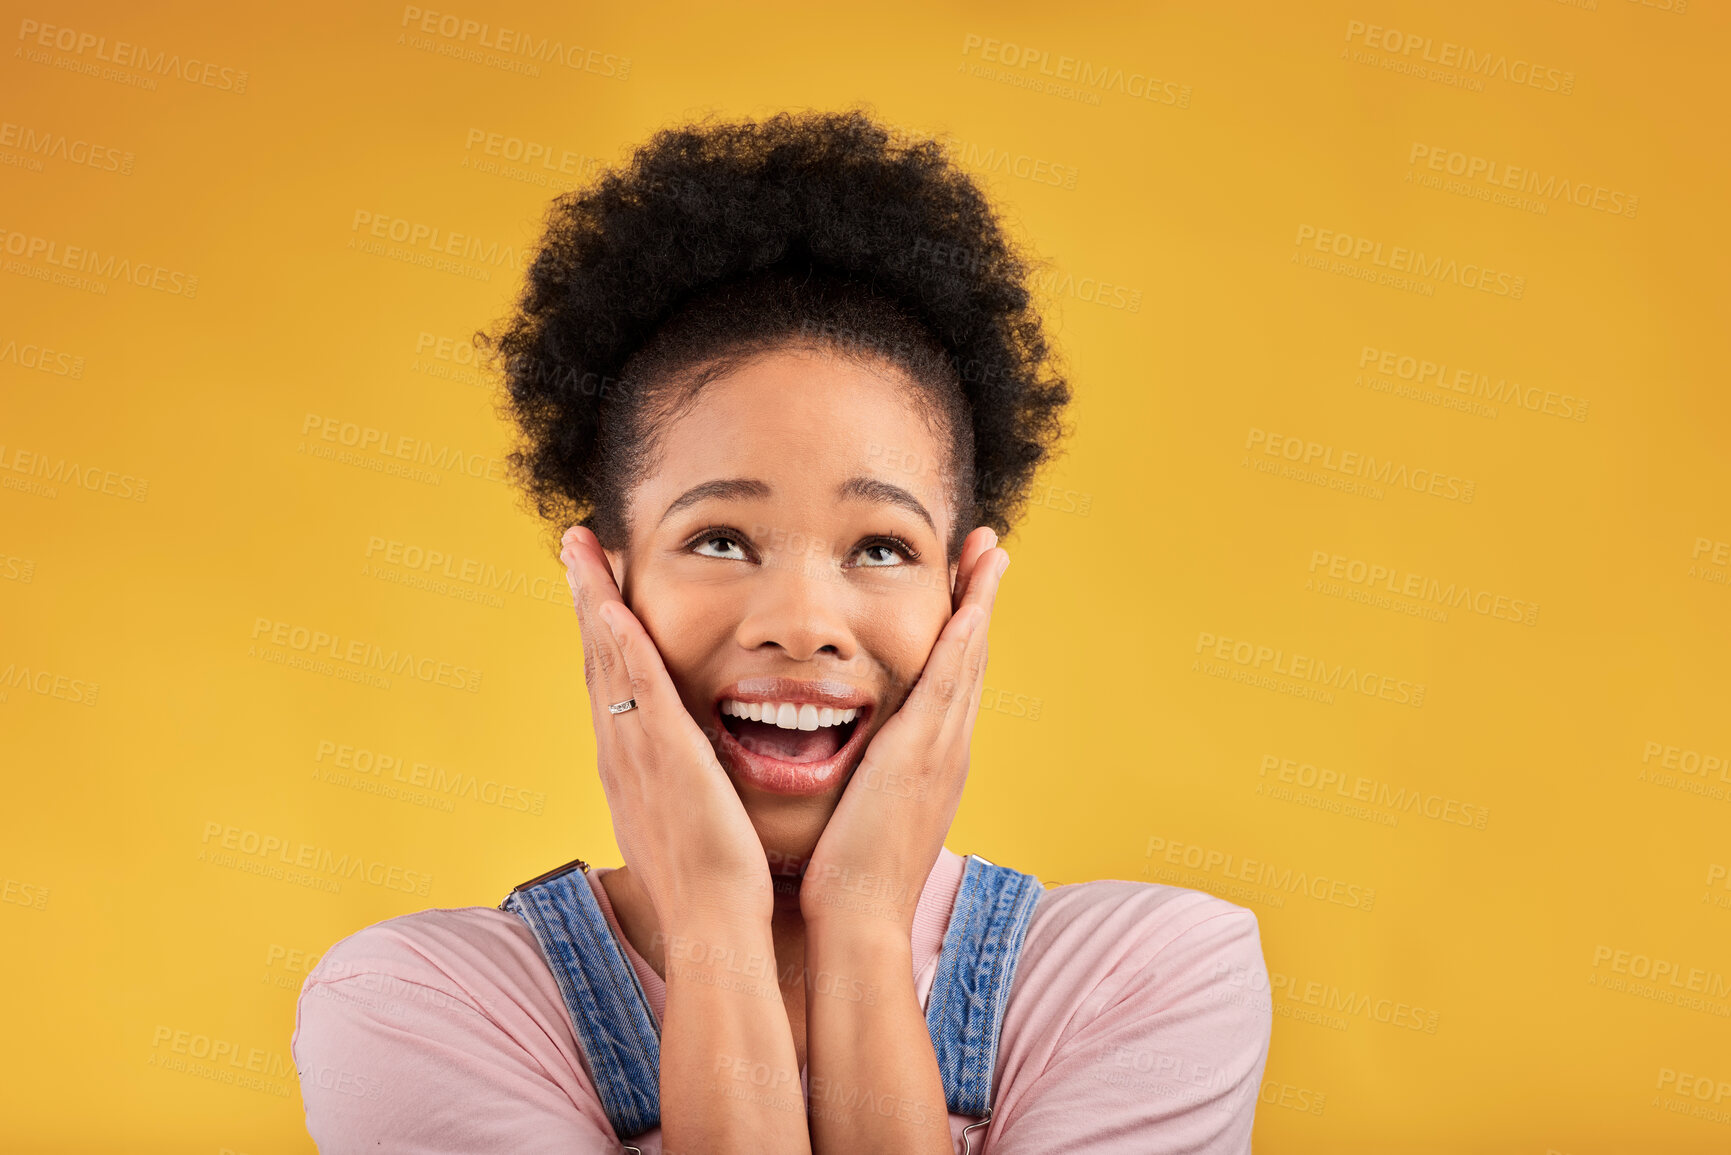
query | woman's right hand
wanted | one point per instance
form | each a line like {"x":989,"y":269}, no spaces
{"x":677,"y":819}
{"x":689,"y":843}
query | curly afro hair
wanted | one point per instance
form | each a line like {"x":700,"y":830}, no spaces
{"x":720,"y":241}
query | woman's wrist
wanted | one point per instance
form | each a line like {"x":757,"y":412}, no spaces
{"x":724,"y":911}
{"x":718,"y":928}
{"x":859,"y":902}
{"x":870,"y":935}
{"x":740,"y":960}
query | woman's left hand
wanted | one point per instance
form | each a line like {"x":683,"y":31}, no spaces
{"x":871,"y":862}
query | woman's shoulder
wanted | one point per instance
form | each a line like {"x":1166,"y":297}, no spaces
{"x":1131,"y":916}
{"x":1146,"y":944}
{"x":452,"y":932}
{"x":437,"y":942}
{"x":441,"y":1030}
{"x":477,"y":962}
{"x":1139,"y":1016}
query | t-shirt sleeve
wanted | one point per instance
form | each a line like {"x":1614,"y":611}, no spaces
{"x":1167,"y":1041}
{"x":392,"y":1056}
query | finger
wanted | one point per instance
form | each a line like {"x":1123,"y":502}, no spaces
{"x":941,"y":682}
{"x":604,"y":670}
{"x":660,"y":714}
{"x":976,"y":544}
{"x":983,"y":581}
{"x":966,"y":674}
{"x":639,"y":672}
{"x":645,"y":674}
{"x":591,"y":576}
{"x":949,"y":675}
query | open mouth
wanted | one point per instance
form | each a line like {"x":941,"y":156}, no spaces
{"x":789,"y":747}
{"x":789,"y":732}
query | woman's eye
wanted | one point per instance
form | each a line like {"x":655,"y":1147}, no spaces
{"x":880,"y":553}
{"x":721,"y":546}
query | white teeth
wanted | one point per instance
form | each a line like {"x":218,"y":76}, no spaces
{"x":788,"y":715}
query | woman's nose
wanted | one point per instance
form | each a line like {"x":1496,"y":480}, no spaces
{"x":799,"y":605}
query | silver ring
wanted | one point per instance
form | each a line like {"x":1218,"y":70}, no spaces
{"x":621,"y":707}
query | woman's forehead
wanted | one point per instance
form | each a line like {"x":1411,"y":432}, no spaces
{"x":806,"y":411}
{"x":804,"y":423}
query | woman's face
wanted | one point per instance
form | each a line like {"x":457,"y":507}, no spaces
{"x":787,"y":556}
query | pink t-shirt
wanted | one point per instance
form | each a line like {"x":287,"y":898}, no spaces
{"x":1138,"y":1023}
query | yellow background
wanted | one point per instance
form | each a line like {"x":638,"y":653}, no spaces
{"x":1107,"y":749}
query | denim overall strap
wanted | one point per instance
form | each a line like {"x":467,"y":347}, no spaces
{"x":971,"y":989}
{"x":609,"y":1012}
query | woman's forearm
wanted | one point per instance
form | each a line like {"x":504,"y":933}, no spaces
{"x":729,"y":1076}
{"x":874,"y":1082}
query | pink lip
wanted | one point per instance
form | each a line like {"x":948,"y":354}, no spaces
{"x":798,"y":691}
{"x":775,"y":775}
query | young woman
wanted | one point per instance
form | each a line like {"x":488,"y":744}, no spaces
{"x":787,"y":377}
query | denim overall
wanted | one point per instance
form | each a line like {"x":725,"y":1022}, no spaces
{"x":621,"y":1040}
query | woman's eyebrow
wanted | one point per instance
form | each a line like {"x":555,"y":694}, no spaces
{"x":872,"y":489}
{"x":732,"y":488}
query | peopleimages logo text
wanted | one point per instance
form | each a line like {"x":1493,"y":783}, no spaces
{"x":1401,"y":259}
{"x":1488,"y":64}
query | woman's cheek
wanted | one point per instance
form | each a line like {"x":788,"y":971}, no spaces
{"x":903,"y":648}
{"x":688,"y":631}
